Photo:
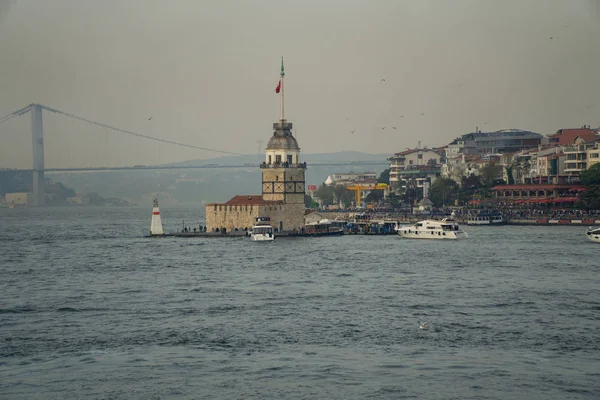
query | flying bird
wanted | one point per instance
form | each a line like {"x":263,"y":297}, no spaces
{"x":149,"y":119}
{"x":382,"y":79}
{"x":393,"y":127}
{"x":351,"y":131}
{"x":551,"y":37}
{"x":423,"y":325}
{"x":402,"y":116}
{"x":383,"y":127}
{"x":422,"y":113}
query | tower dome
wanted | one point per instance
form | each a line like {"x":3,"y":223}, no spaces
{"x":282,"y":138}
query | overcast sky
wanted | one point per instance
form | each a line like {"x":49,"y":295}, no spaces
{"x":206,"y":71}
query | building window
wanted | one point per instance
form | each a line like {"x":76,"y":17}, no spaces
{"x":276,"y":177}
{"x":289,"y":158}
{"x":277,"y":159}
{"x":269,"y":159}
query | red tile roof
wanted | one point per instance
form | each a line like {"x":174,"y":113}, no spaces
{"x":567,"y":136}
{"x":249,"y":200}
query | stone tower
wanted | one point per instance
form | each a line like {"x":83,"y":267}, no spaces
{"x":282,"y":171}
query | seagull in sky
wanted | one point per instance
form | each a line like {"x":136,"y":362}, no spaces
{"x":149,"y":119}
{"x":393,"y":127}
{"x":382,"y":79}
{"x":351,"y":131}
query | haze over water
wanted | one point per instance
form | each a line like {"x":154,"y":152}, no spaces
{"x":91,"y":309}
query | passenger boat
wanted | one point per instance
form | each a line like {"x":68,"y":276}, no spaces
{"x":486,"y":218}
{"x":594,"y":234}
{"x":447,"y":228}
{"x":323,"y":228}
{"x":262,"y":230}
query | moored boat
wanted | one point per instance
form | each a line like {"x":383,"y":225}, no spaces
{"x":323,"y":228}
{"x":486,"y":218}
{"x":262,"y":230}
{"x":447,"y":228}
{"x":594,"y":234}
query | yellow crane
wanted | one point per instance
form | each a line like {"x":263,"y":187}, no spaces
{"x":358,"y":189}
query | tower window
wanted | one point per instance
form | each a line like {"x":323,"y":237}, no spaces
{"x":269,"y":159}
{"x":277,"y":159}
{"x":289,"y":158}
{"x":276,"y":177}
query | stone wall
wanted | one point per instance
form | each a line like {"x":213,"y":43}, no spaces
{"x":288,"y":216}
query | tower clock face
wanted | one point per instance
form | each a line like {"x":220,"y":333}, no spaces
{"x":278,"y":187}
{"x":299,"y":187}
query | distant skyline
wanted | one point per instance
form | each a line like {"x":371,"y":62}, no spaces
{"x":375,"y":76}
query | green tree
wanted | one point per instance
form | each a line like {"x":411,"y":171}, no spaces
{"x":343,"y":194}
{"x":443,"y":191}
{"x":590,"y":198}
{"x":591,"y":176}
{"x":490,"y":173}
{"x":309,"y":202}
{"x":384,"y":177}
{"x":325,"y":194}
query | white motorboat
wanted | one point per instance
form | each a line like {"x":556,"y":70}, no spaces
{"x":594,"y":234}
{"x":447,"y":228}
{"x":262,"y":230}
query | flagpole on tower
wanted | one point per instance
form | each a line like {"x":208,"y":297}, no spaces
{"x":282,"y":76}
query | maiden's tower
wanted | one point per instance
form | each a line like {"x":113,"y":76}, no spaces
{"x":283,"y":186}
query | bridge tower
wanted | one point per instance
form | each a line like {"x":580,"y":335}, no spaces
{"x":37,"y":140}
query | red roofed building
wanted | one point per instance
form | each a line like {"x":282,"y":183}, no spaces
{"x":566,"y":137}
{"x":537,"y":193}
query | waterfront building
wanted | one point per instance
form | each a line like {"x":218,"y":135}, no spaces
{"x":19,"y":198}
{"x":577,"y":156}
{"x":283,"y":186}
{"x":537,"y":194}
{"x":415,"y":165}
{"x":485,"y":144}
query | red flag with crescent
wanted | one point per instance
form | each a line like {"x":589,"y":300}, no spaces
{"x":278,"y":88}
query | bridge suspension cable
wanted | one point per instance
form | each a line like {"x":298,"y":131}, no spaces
{"x":54,"y":110}
{"x":15,"y":114}
{"x":137,"y":134}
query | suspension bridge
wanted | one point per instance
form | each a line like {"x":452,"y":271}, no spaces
{"x":99,"y":147}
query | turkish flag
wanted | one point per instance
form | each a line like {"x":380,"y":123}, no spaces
{"x":278,"y":88}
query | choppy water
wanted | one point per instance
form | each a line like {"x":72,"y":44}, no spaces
{"x":90,"y":309}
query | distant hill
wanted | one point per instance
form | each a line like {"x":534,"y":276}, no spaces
{"x":195,"y":186}
{"x":342,"y":156}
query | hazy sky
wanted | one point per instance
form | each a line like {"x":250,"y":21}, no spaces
{"x":205,"y":71}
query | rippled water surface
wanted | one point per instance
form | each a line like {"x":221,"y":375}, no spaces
{"x":91,"y":309}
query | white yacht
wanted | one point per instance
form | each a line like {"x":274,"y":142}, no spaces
{"x":262,"y":230}
{"x":594,"y":234}
{"x":447,"y":228}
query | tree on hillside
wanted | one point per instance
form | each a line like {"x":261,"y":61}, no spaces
{"x":309,"y":201}
{"x":490,"y":173}
{"x":325,"y":194}
{"x":591,"y":176}
{"x":384,"y":177}
{"x":590,"y":198}
{"x":443,"y":192}
{"x":343,"y":194}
